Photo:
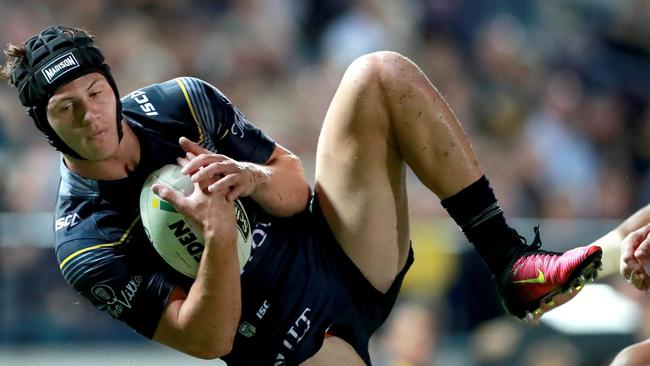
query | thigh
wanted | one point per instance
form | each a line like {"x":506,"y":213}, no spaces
{"x":335,"y":352}
{"x":360,"y":178}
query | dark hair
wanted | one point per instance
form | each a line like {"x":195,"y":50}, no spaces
{"x":15,"y":54}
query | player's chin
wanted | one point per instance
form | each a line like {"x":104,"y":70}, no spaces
{"x":98,"y":151}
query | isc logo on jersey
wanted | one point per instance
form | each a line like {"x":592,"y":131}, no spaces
{"x":178,"y":241}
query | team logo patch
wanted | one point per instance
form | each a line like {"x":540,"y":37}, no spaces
{"x":59,"y":66}
{"x":247,"y":330}
{"x":116,"y":303}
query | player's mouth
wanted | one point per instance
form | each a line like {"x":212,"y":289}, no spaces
{"x":98,"y":134}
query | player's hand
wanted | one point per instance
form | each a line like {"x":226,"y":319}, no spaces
{"x":635,"y":253}
{"x":214,"y":214}
{"x":220,"y":173}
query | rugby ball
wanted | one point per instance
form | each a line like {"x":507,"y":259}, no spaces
{"x":178,"y":240}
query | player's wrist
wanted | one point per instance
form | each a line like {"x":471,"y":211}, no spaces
{"x":222,"y":233}
{"x":260,"y":177}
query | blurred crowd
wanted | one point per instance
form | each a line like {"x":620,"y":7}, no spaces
{"x":554,"y":95}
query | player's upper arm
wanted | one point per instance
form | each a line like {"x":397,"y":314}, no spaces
{"x":145,"y":300}
{"x":221,"y":127}
{"x":105,"y":276}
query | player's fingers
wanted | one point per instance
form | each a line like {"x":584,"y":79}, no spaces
{"x":224,"y":185}
{"x":200,"y":161}
{"x":639,"y":279}
{"x":236,"y":192}
{"x":215,"y":170}
{"x":644,"y":283}
{"x":628,"y":261}
{"x":165,"y":193}
{"x":629,"y":265}
{"x":182,"y":161}
{"x":642,"y":251}
{"x":191,"y":146}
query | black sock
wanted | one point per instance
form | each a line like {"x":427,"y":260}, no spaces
{"x":476,"y":211}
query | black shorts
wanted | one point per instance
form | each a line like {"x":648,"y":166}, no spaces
{"x":315,"y":289}
{"x":368,"y":307}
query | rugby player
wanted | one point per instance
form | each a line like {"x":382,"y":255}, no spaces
{"x":327,"y":262}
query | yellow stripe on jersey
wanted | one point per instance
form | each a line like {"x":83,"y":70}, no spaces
{"x":189,"y":103}
{"x":115,"y":243}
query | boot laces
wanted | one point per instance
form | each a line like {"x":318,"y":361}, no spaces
{"x":535,"y":245}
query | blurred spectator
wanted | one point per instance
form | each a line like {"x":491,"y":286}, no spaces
{"x":410,"y":336}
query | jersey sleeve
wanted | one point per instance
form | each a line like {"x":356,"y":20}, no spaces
{"x":222,"y":127}
{"x":112,"y":280}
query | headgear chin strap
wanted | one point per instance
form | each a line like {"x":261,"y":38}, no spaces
{"x":53,"y":58}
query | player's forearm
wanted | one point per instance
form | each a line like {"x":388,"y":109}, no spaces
{"x":209,"y":316}
{"x":284,"y":191}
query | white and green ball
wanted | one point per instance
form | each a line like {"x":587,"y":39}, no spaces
{"x":178,"y":240}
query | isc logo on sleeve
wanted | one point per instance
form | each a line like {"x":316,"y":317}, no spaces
{"x":141,"y":98}
{"x":66,"y":221}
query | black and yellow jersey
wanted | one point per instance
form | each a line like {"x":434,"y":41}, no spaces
{"x":100,"y":242}
{"x":297,"y":284}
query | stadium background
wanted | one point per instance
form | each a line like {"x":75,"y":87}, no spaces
{"x":554,"y":95}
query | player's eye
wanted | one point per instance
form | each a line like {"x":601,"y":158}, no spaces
{"x":65,"y":107}
{"x":95,"y":93}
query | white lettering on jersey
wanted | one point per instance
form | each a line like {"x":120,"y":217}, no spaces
{"x":66,"y":221}
{"x":141,"y":98}
{"x":259,"y":234}
{"x":262,"y":310}
{"x":239,"y":127}
{"x":295,"y":334}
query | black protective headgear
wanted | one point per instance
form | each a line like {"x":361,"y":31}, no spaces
{"x":53,"y":58}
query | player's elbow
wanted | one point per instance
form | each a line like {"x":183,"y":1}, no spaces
{"x":211,"y":350}
{"x":293,"y":202}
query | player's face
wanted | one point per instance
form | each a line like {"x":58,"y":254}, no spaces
{"x":82,"y":113}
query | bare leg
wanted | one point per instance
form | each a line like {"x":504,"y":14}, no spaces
{"x":335,"y":352}
{"x":385,"y":114}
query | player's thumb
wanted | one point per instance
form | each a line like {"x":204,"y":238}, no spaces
{"x":168,"y":195}
{"x":191,"y":146}
{"x":642,"y":252}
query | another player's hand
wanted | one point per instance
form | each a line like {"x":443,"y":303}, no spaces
{"x":219,"y":173}
{"x":635,"y":253}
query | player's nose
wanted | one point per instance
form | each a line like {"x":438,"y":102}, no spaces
{"x":89,"y":113}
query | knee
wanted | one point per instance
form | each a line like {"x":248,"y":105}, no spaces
{"x":380,"y":68}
